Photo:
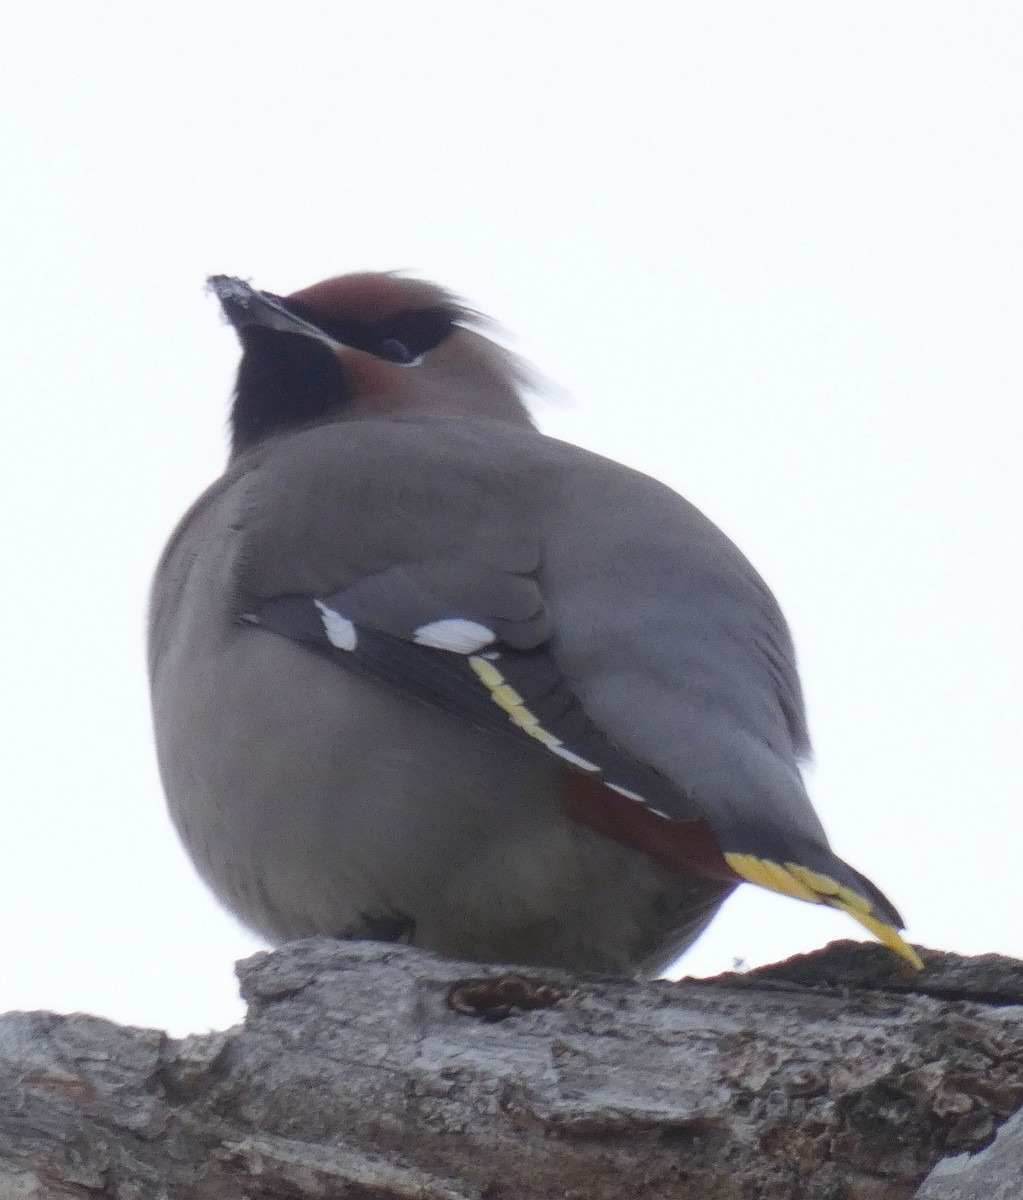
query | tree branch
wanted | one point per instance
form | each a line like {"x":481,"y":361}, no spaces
{"x":375,"y":1071}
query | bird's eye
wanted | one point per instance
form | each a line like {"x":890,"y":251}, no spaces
{"x":406,"y":337}
{"x":395,"y":350}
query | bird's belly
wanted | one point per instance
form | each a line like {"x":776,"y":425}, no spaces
{"x":351,"y":810}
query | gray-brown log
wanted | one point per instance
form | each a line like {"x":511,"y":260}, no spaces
{"x":373,"y":1071}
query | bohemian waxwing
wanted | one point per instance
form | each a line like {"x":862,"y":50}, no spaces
{"x":420,"y":672}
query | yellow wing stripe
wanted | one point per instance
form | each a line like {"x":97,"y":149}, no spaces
{"x":793,"y":880}
{"x":506,"y":697}
{"x":486,"y":672}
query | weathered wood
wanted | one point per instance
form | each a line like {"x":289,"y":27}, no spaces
{"x":359,"y":1073}
{"x":996,"y":1173}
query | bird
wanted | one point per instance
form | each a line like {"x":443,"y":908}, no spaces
{"x":421,"y":673}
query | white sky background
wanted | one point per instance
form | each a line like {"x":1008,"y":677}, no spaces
{"x":772,"y":251}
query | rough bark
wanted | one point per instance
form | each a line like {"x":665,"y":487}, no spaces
{"x":372,"y":1071}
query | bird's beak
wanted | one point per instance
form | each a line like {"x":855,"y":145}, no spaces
{"x":245,"y":307}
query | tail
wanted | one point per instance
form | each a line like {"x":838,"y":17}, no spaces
{"x":816,"y":875}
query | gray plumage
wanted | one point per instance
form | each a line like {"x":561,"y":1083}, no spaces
{"x":378,"y":790}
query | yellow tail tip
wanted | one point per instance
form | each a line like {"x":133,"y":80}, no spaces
{"x":803,"y":884}
{"x":890,"y":936}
